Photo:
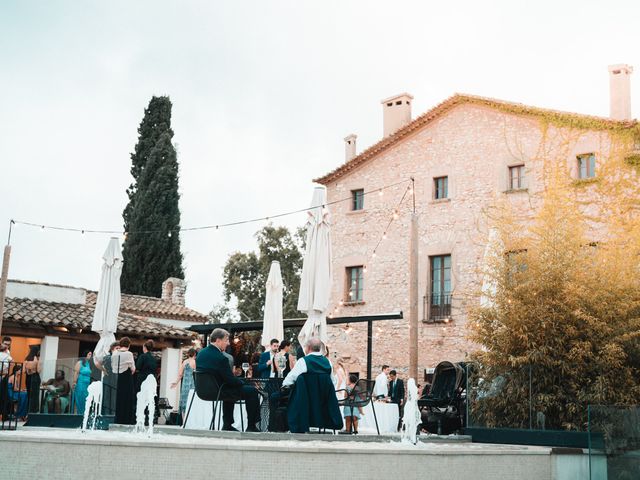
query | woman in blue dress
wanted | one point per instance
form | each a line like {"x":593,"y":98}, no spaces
{"x":81,"y":381}
{"x":186,"y":376}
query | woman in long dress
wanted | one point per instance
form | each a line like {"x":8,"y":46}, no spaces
{"x":185,"y":375}
{"x":341,"y":380}
{"x":81,"y":381}
{"x":33,"y":368}
{"x":123,"y":365}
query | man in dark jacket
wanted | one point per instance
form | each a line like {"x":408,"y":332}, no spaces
{"x":313,"y":401}
{"x":212,"y":360}
{"x":396,"y":392}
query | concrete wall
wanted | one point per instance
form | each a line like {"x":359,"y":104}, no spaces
{"x":49,"y":293}
{"x":474,"y":146}
{"x":198,"y":458}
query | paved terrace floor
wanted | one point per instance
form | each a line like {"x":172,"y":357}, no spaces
{"x":175,"y":453}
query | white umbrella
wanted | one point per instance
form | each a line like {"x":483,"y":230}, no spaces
{"x":272,"y":322}
{"x":105,"y":316}
{"x":315,"y":281}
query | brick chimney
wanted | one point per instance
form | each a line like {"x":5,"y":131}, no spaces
{"x":396,"y":113}
{"x":350,"y":147}
{"x":620,"y":91}
{"x":173,"y":290}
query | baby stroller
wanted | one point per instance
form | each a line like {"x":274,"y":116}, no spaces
{"x":443,"y":408}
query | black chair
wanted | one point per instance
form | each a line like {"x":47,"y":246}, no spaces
{"x":207,"y":388}
{"x":443,"y":407}
{"x":359,"y":397}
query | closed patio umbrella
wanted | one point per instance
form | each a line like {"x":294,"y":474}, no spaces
{"x":105,"y":316}
{"x":272,"y":321}
{"x":315,"y":281}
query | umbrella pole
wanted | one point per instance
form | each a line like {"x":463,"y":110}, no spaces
{"x":3,"y":280}
{"x":413,"y":298}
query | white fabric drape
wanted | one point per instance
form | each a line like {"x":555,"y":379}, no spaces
{"x":272,"y":321}
{"x":105,"y":316}
{"x":315,"y":281}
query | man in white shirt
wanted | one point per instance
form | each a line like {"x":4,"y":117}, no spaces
{"x":381,"y":387}
{"x":301,"y":366}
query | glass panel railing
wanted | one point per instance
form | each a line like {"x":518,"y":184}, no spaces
{"x":614,"y":442}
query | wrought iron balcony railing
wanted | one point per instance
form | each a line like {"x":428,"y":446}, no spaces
{"x":437,"y":308}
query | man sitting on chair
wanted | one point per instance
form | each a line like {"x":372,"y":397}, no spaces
{"x":212,"y":360}
{"x":313,"y":401}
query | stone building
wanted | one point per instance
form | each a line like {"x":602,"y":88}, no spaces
{"x":59,"y":317}
{"x":464,"y":155}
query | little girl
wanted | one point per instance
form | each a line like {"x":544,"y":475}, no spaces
{"x":352,"y":414}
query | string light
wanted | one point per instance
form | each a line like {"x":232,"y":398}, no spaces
{"x":206,"y":227}
{"x":384,"y":236}
{"x":169,"y":234}
{"x":395,"y":215}
{"x":380,"y":193}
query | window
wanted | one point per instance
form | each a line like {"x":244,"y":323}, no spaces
{"x":355,"y":284}
{"x":357,"y":197}
{"x":516,"y":177}
{"x":440,"y":297}
{"x":441,"y":188}
{"x":586,"y":166}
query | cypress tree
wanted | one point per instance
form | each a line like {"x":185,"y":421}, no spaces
{"x":151,"y":258}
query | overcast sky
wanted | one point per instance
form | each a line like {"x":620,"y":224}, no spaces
{"x":263,"y":94}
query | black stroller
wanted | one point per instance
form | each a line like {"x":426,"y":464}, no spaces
{"x":443,"y":408}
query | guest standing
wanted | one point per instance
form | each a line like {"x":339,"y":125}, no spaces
{"x":146,"y":366}
{"x":109,"y":383}
{"x":289,"y":360}
{"x":33,"y":368}
{"x":267,"y":367}
{"x":396,"y":393}
{"x":81,"y":381}
{"x":123,"y":365}
{"x":381,"y":387}
{"x":352,"y":414}
{"x":185,"y":375}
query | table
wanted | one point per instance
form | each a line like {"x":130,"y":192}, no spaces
{"x":387,"y":414}
{"x":201,"y":412}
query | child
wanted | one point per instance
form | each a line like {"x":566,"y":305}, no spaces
{"x":352,"y":414}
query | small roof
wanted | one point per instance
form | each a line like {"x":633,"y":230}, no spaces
{"x":30,"y":312}
{"x":577,"y":120}
{"x":152,"y":307}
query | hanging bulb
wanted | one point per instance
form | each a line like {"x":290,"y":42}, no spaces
{"x":384,"y":236}
{"x":381,"y":192}
{"x":341,"y":302}
{"x":82,"y":232}
{"x":395,"y":215}
{"x":42,"y":228}
{"x":169,"y":234}
{"x":373,"y":255}
{"x":364,"y":269}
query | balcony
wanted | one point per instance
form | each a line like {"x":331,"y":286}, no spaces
{"x":436,"y":308}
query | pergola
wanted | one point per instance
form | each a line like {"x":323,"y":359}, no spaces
{"x":256,"y":325}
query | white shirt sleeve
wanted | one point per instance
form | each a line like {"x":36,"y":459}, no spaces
{"x":298,"y":369}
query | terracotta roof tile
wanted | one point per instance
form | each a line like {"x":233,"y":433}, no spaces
{"x":27,"y":312}
{"x":575,"y":119}
{"x":152,"y":307}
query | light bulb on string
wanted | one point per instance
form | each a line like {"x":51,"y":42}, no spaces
{"x":364,"y":269}
{"x":42,"y":228}
{"x":373,"y":255}
{"x":169,"y":234}
{"x":82,"y":232}
{"x":395,"y":215}
{"x":380,"y":192}
{"x":384,"y":236}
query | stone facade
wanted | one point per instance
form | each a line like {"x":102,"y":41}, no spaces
{"x":174,"y":290}
{"x":473,"y":143}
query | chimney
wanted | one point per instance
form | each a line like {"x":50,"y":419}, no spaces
{"x":396,"y":112}
{"x":349,"y":147}
{"x":173,"y":290}
{"x":620,"y":91}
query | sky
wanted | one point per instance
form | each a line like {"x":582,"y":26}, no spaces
{"x":263,"y":94}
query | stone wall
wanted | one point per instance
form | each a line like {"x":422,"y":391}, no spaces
{"x":474,"y":146}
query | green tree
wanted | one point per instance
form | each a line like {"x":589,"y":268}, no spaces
{"x":245,"y":274}
{"x":562,"y":327}
{"x":151,"y":249}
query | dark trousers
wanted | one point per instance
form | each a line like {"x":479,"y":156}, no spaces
{"x":250,"y":395}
